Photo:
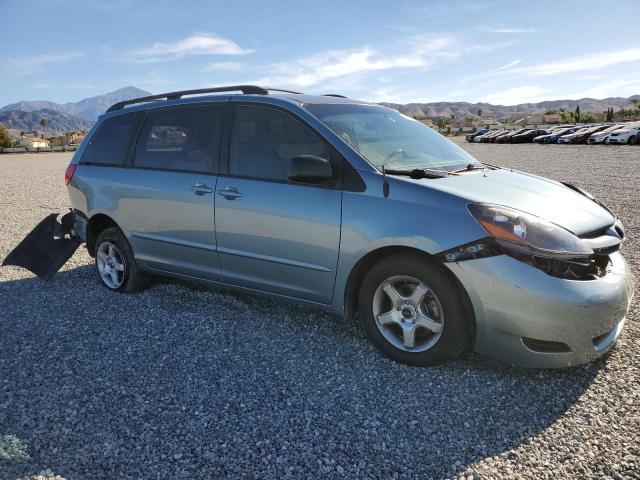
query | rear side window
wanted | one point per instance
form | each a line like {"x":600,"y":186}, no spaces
{"x":263,"y":141}
{"x":109,"y":145}
{"x":183,"y":139}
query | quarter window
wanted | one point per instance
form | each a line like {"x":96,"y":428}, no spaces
{"x":110,"y":143}
{"x":184,"y":139}
{"x":263,"y":141}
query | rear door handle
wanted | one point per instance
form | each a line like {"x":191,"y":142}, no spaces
{"x":201,"y":188}
{"x":230,"y":193}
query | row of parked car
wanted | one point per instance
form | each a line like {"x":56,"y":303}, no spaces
{"x":607,"y":133}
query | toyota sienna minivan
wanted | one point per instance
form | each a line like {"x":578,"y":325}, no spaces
{"x":348,"y":206}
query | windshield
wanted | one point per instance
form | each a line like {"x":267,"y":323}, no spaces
{"x":384,"y":136}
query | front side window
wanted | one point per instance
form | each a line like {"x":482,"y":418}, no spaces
{"x":110,"y":143}
{"x":183,"y":139}
{"x":263,"y":141}
{"x":386,"y":137}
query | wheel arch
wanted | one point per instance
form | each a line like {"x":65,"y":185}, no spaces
{"x":98,"y":223}
{"x":363,"y":265}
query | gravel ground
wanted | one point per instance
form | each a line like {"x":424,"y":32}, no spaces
{"x":188,"y":382}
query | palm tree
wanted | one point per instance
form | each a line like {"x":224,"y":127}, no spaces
{"x":43,"y":123}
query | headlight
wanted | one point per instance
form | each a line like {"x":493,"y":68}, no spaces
{"x":524,"y":233}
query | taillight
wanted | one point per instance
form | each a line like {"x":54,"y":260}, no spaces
{"x":68,"y":173}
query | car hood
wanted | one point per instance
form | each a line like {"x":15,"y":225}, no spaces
{"x":529,"y":193}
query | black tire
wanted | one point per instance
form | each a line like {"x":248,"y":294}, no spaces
{"x":632,"y":140}
{"x":134,"y":279}
{"x":456,"y":335}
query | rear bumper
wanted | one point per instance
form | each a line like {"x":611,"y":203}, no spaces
{"x":523,"y":315}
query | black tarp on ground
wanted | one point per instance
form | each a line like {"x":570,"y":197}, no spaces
{"x":46,"y":248}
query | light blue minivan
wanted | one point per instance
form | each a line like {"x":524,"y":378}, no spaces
{"x":356,"y":208}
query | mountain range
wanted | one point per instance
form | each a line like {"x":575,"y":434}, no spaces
{"x":26,"y":114}
{"x":62,"y":117}
{"x":434,"y":110}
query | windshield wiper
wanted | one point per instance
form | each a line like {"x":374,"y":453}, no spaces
{"x":418,"y":173}
{"x":470,"y":167}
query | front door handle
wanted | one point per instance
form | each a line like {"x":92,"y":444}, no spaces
{"x":230,"y":193}
{"x":201,"y":188}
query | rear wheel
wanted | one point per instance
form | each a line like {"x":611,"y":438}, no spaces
{"x":414,"y":312}
{"x":606,"y":141}
{"x":633,"y":140}
{"x":115,"y":263}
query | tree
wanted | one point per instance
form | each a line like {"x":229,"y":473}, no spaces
{"x":43,"y":123}
{"x":636,"y":104}
{"x":479,"y":112}
{"x":5,"y":138}
{"x":441,"y":123}
{"x":589,"y":118}
{"x":567,"y":117}
{"x":577,"y":113}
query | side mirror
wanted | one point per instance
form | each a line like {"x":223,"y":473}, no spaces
{"x":309,"y":169}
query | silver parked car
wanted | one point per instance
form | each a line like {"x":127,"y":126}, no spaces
{"x":348,"y":206}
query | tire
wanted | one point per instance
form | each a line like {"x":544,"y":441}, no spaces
{"x":118,"y":270}
{"x":606,"y":141}
{"x":386,"y":322}
{"x":632,"y":140}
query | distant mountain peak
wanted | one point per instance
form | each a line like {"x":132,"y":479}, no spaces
{"x":88,"y":109}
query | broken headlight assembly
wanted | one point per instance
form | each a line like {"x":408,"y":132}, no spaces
{"x":527,"y":234}
{"x":532,"y":240}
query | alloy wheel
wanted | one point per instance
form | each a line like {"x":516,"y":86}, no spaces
{"x":408,"y":313}
{"x":110,"y":261}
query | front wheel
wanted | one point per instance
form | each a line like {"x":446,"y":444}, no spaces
{"x":633,"y":140}
{"x":115,"y":263}
{"x":413,"y":311}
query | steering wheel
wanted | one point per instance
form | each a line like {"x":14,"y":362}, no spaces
{"x":395,"y":153}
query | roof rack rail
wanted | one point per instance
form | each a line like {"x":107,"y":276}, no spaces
{"x":284,"y":91}
{"x":247,"y":89}
{"x":333,"y":95}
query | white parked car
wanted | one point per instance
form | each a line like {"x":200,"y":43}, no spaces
{"x":603,"y":136}
{"x":627,"y":135}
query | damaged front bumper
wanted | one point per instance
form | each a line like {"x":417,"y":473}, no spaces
{"x":49,"y":245}
{"x":528,"y":318}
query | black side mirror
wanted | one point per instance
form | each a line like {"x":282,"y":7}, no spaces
{"x":310,"y":169}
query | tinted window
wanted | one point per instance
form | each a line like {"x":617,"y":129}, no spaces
{"x":263,"y":140}
{"x":185,"y":138}
{"x":111,"y":141}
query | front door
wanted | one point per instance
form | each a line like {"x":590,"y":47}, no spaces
{"x":275,"y":235}
{"x":170,"y":202}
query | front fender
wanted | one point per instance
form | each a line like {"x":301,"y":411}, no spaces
{"x":412,"y":216}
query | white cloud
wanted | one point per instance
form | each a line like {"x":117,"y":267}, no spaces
{"x":28,"y":64}
{"x":593,"y":61}
{"x":585,"y":62}
{"x":613,"y":88}
{"x":198,"y":44}
{"x":516,"y":95}
{"x":226,"y":66}
{"x":426,"y":51}
{"x":509,"y":65}
{"x":509,"y":30}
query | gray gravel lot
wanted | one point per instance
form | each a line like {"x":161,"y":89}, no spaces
{"x":182,"y":381}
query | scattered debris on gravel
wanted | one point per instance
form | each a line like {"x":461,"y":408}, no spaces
{"x":183,"y":381}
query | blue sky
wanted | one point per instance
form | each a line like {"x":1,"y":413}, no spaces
{"x":402,"y":51}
